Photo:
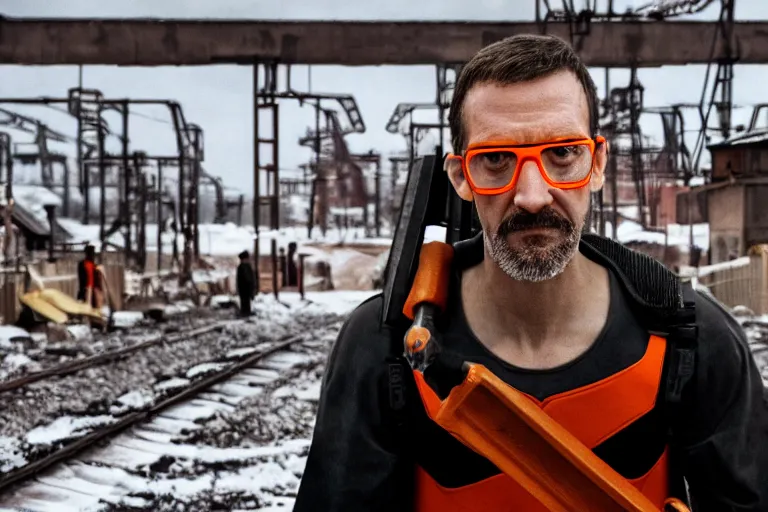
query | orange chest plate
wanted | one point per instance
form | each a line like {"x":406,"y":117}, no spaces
{"x":592,"y":413}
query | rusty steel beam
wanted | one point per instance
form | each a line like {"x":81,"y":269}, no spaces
{"x":147,"y":42}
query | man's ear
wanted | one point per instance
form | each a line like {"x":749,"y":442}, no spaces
{"x":456,"y":174}
{"x":598,"y":167}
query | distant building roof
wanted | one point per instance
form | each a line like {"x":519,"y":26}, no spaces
{"x":743,"y":139}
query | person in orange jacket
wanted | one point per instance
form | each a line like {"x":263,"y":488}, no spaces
{"x":89,"y":287}
{"x":581,"y":324}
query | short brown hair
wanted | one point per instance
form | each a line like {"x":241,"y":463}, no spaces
{"x":517,"y":59}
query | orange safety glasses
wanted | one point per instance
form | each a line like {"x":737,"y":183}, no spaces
{"x":493,"y":167}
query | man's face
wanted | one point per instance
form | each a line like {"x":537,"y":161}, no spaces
{"x":532,"y":231}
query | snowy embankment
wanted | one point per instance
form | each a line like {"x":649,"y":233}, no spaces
{"x":241,"y":446}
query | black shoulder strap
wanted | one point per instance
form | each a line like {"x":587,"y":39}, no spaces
{"x":665,"y":303}
{"x":398,"y":374}
{"x":679,"y":372}
{"x":397,"y":391}
{"x":683,"y":342}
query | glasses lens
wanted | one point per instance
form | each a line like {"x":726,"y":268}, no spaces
{"x":492,"y":169}
{"x":495,"y":168}
{"x":567,"y":164}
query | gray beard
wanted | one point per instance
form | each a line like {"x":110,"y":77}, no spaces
{"x":538,"y":260}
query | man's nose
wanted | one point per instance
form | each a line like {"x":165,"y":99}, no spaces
{"x":531,"y":191}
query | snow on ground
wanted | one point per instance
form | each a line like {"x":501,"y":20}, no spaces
{"x":676,"y":235}
{"x":10,"y":334}
{"x":80,"y":332}
{"x":204,"y":368}
{"x":64,"y":428}
{"x":222,"y":301}
{"x":12,"y":454}
{"x":336,"y":302}
{"x":226,"y":239}
{"x":173,"y":383}
{"x":133,"y":400}
{"x":17,"y":363}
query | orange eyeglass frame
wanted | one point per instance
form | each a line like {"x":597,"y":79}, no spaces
{"x":524,"y":153}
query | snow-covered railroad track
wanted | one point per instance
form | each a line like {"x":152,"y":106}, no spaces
{"x":158,"y":423}
{"x":105,"y":357}
{"x":24,"y":352}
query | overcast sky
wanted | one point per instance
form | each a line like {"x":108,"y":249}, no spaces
{"x":218,"y":98}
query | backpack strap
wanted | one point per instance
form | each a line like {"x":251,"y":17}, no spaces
{"x":683,"y":343}
{"x":665,"y":305}
{"x":679,"y":374}
{"x":398,"y":382}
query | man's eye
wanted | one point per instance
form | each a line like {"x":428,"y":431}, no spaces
{"x":563,"y":151}
{"x":496,"y":158}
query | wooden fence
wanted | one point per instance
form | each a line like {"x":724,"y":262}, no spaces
{"x":60,"y":275}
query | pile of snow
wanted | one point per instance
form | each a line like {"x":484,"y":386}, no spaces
{"x":127,"y":319}
{"x":80,"y":332}
{"x":351,"y":270}
{"x":676,"y":234}
{"x":204,"y":368}
{"x":10,"y":334}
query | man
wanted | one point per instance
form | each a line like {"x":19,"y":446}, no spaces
{"x":549,"y":316}
{"x":246,"y":283}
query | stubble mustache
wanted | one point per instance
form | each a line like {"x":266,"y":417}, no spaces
{"x":545,"y":218}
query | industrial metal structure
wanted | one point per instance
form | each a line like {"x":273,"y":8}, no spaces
{"x":649,"y":36}
{"x":402,"y":121}
{"x":128,"y":173}
{"x":328,"y":141}
{"x":175,"y":42}
{"x":337,"y":177}
{"x":650,"y":170}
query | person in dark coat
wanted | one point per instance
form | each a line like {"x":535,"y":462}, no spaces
{"x":293,"y":273}
{"x":246,"y":283}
